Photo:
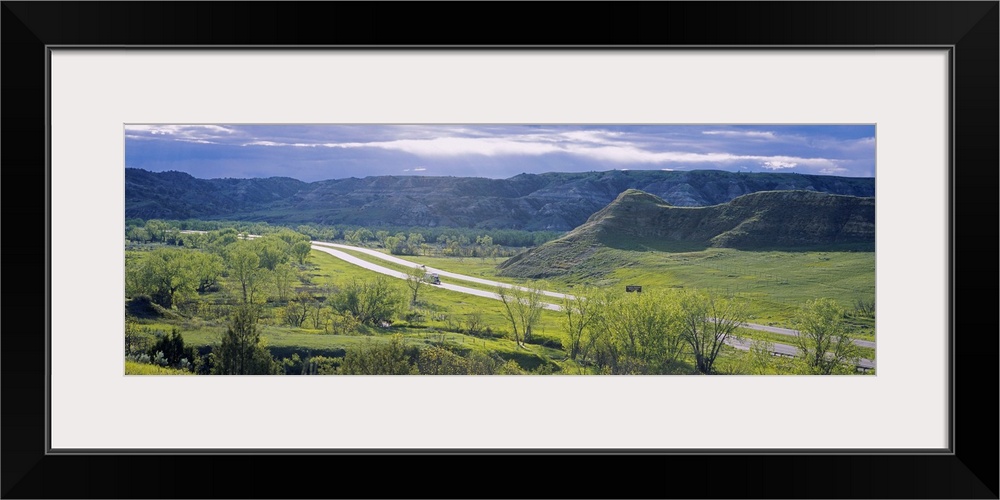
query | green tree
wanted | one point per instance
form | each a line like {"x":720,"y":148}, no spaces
{"x":486,"y":247}
{"x":271,"y":251}
{"x":761,"y":356}
{"x":285,"y":278}
{"x":370,"y":301}
{"x":453,"y":249}
{"x":397,"y":245}
{"x":193,"y":240}
{"x":244,"y":268}
{"x":707,"y":321}
{"x":173,"y":350}
{"x":166,"y":274}
{"x":137,"y":341}
{"x":297,"y":310}
{"x":317,"y":313}
{"x":521,"y":307}
{"x":579,"y":313}
{"x":510,"y":367}
{"x":290,"y":237}
{"x":414,"y":281}
{"x":364,"y":234}
{"x":382,"y":237}
{"x":241,"y":350}
{"x":219,"y":240}
{"x":436,"y":360}
{"x":378,"y":358}
{"x":642,"y":332}
{"x":414,"y":241}
{"x":301,"y":251}
{"x":340,"y":323}
{"x":352,"y":237}
{"x":134,"y":284}
{"x":481,"y":363}
{"x":138,"y":234}
{"x":207,"y":268}
{"x":474,"y":322}
{"x":157,"y":229}
{"x":823,"y":337}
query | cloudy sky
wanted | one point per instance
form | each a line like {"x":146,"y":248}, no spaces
{"x":317,"y":152}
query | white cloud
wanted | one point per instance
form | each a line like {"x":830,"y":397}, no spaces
{"x":590,"y":136}
{"x":740,"y":133}
{"x":281,"y":144}
{"x":179,"y":129}
{"x":201,"y":134}
{"x":419,"y":169}
{"x":455,"y":146}
{"x":778,"y":165}
{"x":511,"y":144}
{"x":597,"y":147}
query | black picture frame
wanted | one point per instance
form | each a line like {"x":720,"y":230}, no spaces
{"x":968,"y":470}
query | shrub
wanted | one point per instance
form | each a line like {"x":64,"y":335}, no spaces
{"x":169,"y":350}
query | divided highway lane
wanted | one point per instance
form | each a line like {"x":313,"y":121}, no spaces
{"x":442,"y":273}
{"x":331,"y":248}
{"x":401,"y":275}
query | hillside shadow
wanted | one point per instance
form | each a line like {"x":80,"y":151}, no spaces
{"x":841,"y":247}
{"x":652,"y":245}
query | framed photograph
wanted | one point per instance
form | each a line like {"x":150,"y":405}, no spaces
{"x":705,"y":167}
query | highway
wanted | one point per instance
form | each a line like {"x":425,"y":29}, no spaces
{"x":440,"y":272}
{"x":332,"y":249}
{"x":325,"y":248}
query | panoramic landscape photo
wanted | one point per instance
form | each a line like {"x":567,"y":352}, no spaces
{"x":499,"y":249}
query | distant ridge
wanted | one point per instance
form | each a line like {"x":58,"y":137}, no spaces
{"x":551,"y":201}
{"x":637,"y":220}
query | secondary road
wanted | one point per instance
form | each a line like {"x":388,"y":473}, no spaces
{"x":795,"y":333}
{"x":331,"y":248}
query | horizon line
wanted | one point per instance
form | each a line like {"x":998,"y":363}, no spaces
{"x":623,"y":170}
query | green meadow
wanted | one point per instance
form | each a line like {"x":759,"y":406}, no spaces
{"x":776,"y":283}
{"x":308,"y":324}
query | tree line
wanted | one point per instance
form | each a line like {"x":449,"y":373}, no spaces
{"x":660,"y":331}
{"x":650,"y":332}
{"x":140,"y":230}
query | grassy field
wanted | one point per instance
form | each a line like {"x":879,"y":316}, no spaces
{"x":134,"y":368}
{"x":776,"y":283}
